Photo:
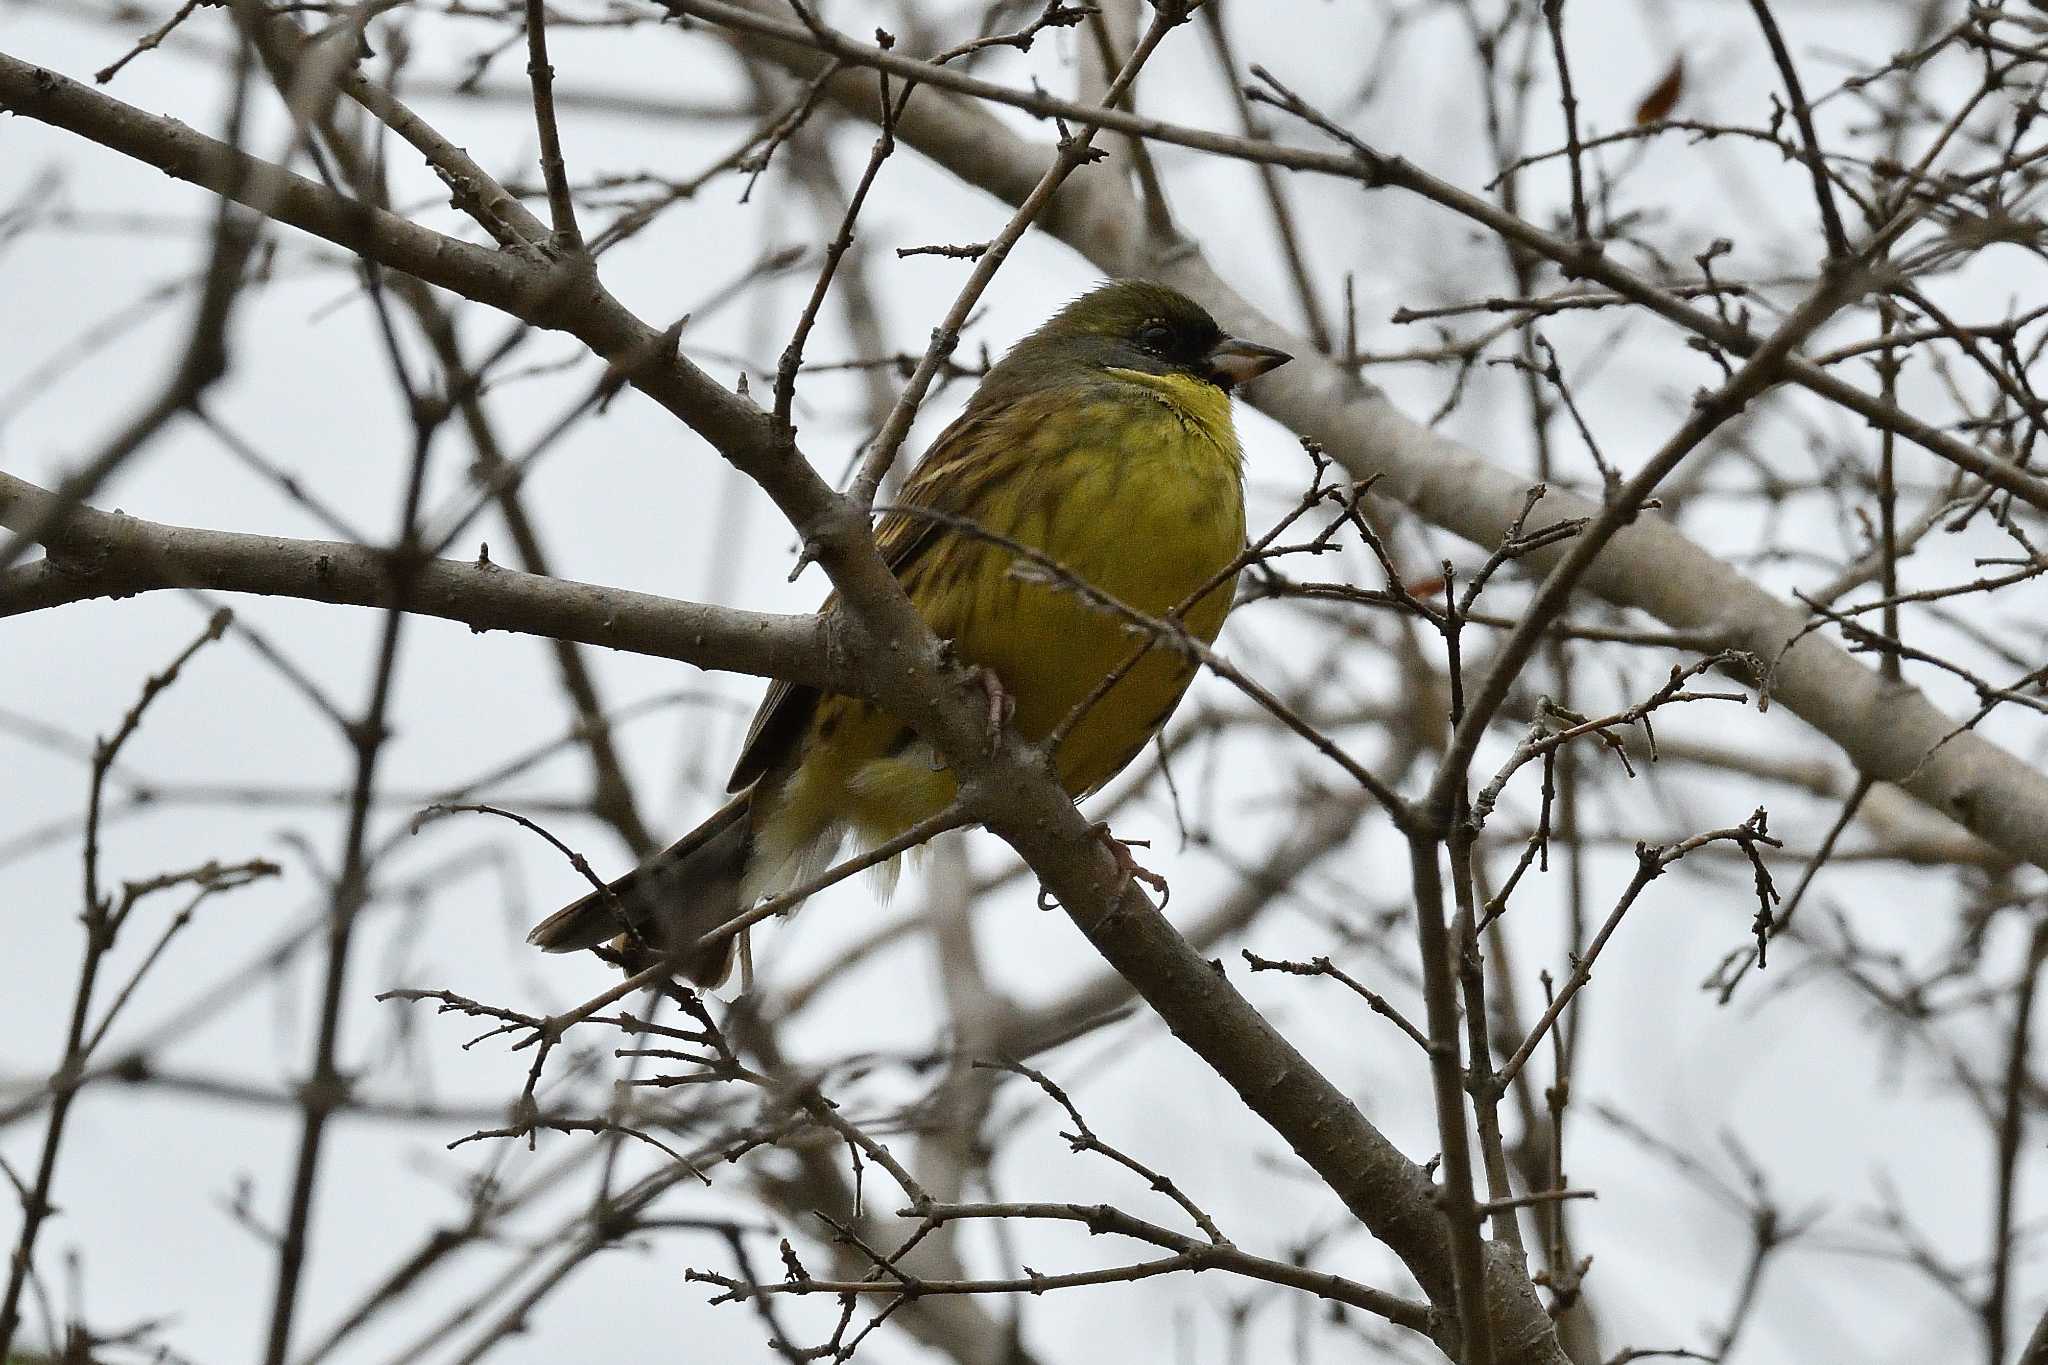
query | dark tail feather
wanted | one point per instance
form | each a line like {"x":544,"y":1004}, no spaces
{"x":670,"y":901}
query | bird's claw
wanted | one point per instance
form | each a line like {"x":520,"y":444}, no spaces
{"x":1001,"y":705}
{"x":1128,"y":866}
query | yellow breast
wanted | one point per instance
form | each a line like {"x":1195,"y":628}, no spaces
{"x":1146,"y":506}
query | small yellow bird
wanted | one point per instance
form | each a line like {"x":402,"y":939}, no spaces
{"x":1104,"y":442}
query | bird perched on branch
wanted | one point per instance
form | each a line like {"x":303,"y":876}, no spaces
{"x":1099,"y":452}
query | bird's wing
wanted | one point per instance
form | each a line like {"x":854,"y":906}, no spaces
{"x":944,"y":481}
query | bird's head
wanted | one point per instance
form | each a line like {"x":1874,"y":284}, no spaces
{"x":1133,"y":325}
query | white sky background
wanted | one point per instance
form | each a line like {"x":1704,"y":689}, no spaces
{"x":1803,"y":1078}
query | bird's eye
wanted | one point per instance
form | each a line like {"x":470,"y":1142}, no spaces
{"x":1155,"y":337}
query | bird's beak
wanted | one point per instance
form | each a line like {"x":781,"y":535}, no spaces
{"x":1232,"y":362}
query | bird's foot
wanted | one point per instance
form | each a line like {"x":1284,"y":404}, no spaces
{"x":1130,"y":868}
{"x":1001,"y":705}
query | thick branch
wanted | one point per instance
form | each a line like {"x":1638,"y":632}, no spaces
{"x":105,"y":554}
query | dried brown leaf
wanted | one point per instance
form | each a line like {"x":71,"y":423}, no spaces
{"x":1656,"y":106}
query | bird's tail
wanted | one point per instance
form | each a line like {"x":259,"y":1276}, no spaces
{"x":671,"y":900}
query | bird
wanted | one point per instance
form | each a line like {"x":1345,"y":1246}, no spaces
{"x":1102,"y":444}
